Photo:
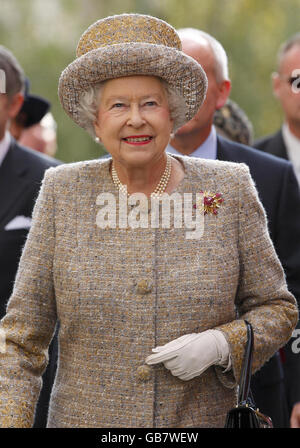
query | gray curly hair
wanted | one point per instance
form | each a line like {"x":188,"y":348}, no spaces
{"x":90,"y":99}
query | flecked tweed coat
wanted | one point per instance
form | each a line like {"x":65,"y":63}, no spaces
{"x":117,"y":293}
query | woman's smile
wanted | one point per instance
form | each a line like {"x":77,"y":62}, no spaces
{"x":138,"y":140}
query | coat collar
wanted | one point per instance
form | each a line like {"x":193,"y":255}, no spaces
{"x":222,"y":153}
{"x":277,"y":146}
{"x":198,"y":172}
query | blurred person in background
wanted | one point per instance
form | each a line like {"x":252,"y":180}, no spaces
{"x":278,"y":190}
{"x":41,"y":136}
{"x":285,"y":142}
{"x":33,"y":109}
{"x":34,"y":126}
{"x":21,"y":172}
{"x":231,"y":122}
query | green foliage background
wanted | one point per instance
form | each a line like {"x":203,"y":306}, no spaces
{"x":43,"y":35}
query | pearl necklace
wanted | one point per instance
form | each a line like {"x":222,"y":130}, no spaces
{"x":161,"y":186}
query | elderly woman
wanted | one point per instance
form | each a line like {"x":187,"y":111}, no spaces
{"x":120,"y":291}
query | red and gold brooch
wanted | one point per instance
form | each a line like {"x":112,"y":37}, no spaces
{"x":211,"y":202}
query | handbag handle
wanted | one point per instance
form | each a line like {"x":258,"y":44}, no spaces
{"x":244,"y":386}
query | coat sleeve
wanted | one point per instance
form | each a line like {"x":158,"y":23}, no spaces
{"x":29,"y":324}
{"x":262,"y":297}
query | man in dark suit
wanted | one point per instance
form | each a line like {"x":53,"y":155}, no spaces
{"x":278,"y":191}
{"x":21,"y":172}
{"x":285,"y":143}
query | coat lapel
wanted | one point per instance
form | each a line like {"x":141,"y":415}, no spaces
{"x":277,"y":146}
{"x":13,"y":181}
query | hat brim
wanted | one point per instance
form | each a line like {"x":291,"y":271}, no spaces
{"x":180,"y":71}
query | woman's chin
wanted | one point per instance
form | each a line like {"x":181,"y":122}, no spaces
{"x":136,"y":157}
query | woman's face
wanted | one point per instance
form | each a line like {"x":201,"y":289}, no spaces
{"x":133,"y":120}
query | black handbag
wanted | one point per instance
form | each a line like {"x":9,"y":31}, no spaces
{"x":245,"y":415}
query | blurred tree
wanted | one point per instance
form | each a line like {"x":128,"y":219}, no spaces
{"x":43,"y":35}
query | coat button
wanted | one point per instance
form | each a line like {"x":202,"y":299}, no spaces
{"x":143,"y":287}
{"x":144,"y":373}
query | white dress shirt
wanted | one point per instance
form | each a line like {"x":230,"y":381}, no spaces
{"x":292,"y":144}
{"x":4,"y":146}
{"x":208,"y":149}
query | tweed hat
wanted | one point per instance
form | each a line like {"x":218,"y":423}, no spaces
{"x":126,"y":45}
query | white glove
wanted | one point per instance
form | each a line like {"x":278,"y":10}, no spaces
{"x":191,"y":354}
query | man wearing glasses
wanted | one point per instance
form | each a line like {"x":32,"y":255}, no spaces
{"x":285,"y":143}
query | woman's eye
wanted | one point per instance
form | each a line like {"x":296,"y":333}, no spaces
{"x":117,"y":105}
{"x":150,"y":103}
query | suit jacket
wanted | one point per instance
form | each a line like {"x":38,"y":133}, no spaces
{"x":272,"y":144}
{"x":118,"y":292}
{"x":20,"y":179}
{"x":278,"y":190}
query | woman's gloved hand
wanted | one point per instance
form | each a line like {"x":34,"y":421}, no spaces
{"x":191,"y":354}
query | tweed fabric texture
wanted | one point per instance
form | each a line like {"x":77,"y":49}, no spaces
{"x":118,"y":293}
{"x":126,"y":45}
{"x":128,"y":28}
